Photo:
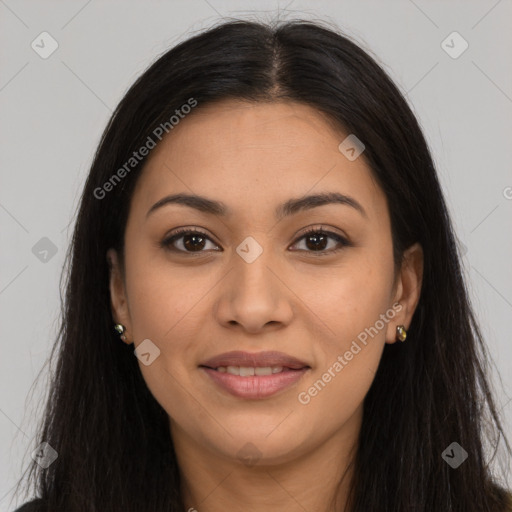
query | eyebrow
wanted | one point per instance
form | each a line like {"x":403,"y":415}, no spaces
{"x":290,"y":207}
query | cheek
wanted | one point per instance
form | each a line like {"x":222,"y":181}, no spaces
{"x":347,"y":298}
{"x":163,"y":298}
{"x":337,"y":395}
{"x":349,"y":357}
{"x":352,"y":335}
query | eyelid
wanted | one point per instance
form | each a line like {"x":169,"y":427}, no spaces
{"x":323,"y":229}
{"x":167,"y":242}
{"x":342,"y":240}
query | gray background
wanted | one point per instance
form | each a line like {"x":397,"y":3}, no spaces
{"x":53,"y":111}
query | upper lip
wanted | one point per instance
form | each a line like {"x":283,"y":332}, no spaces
{"x":254,"y":360}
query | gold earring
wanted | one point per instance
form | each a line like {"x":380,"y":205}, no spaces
{"x":401,"y":332}
{"x":120,"y":328}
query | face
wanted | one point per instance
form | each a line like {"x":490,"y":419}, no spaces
{"x":255,"y":282}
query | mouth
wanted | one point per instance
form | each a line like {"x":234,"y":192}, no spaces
{"x":268,"y":359}
{"x":249,"y":371}
{"x":254,"y":376}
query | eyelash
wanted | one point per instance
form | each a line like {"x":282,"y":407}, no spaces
{"x":167,"y":242}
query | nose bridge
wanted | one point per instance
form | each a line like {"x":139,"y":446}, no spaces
{"x":253,"y":259}
{"x":255,"y":296}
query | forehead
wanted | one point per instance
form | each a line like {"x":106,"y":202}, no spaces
{"x":254,"y":154}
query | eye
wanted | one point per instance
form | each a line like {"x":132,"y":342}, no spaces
{"x":188,"y":240}
{"x":317,"y":238}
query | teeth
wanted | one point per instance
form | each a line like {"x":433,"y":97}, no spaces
{"x":244,"y":371}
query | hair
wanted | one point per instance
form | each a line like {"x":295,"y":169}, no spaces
{"x":115,"y":451}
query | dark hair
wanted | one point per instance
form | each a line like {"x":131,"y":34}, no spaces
{"x":113,"y":440}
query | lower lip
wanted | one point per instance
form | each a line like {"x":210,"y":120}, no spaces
{"x":255,"y":386}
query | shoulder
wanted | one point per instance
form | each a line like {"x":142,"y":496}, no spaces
{"x":32,"y":506}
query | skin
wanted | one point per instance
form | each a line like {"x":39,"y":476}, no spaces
{"x":252,"y":157}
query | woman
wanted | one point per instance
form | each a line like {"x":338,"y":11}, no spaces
{"x":265,"y":306}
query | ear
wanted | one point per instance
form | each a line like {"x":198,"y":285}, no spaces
{"x":118,"y":300}
{"x":408,"y":290}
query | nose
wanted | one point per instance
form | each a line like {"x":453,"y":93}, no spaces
{"x":254,"y":294}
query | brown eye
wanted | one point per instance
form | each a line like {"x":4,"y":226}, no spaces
{"x":316,"y":240}
{"x":196,"y":241}
{"x":188,"y":241}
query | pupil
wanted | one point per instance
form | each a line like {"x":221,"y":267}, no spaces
{"x":192,"y":237}
{"x":316,"y":237}
{"x":195,"y":242}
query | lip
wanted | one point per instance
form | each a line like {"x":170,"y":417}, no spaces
{"x":256,"y":360}
{"x":255,"y":387}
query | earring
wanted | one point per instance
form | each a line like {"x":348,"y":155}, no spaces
{"x":401,"y":332}
{"x":120,"y":328}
